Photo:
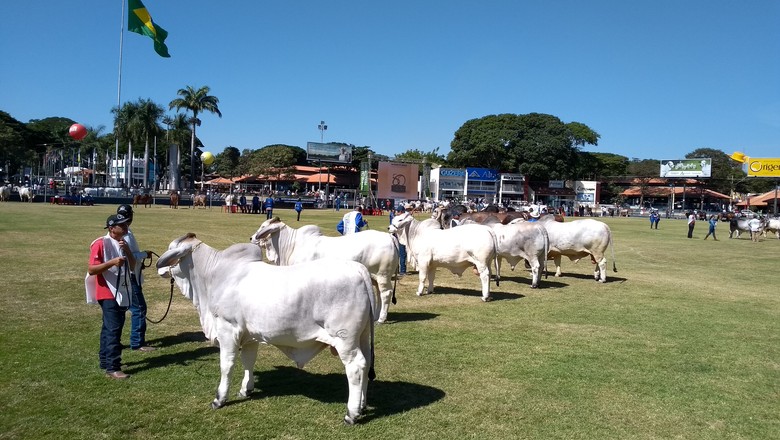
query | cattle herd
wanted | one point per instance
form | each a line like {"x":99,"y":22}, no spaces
{"x":317,"y":292}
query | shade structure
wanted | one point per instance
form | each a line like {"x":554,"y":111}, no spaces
{"x":323,"y":178}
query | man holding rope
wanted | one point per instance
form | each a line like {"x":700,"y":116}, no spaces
{"x":137,"y":300}
{"x":108,"y":284}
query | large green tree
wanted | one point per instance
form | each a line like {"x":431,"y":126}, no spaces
{"x":197,"y":102}
{"x":227,"y":162}
{"x":537,"y":145}
{"x":272,"y":160}
{"x":600,"y":166}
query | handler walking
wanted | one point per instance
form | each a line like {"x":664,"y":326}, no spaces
{"x":713,"y":221}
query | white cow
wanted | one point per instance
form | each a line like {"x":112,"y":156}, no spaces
{"x":520,"y":240}
{"x":772,"y":225}
{"x":300,"y":309}
{"x":26,"y":194}
{"x":578,"y":239}
{"x":378,"y":251}
{"x":456,"y":249}
{"x":5,"y":193}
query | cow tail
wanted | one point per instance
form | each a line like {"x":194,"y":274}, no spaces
{"x":612,"y":245}
{"x":373,"y":312}
{"x":495,"y":255}
{"x":397,"y":245}
{"x":546,"y":249}
{"x":371,"y":372}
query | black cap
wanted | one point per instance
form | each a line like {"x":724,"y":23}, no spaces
{"x":125,"y":210}
{"x":114,"y":220}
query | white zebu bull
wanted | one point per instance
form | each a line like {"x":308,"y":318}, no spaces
{"x":521,"y":240}
{"x":300,"y":309}
{"x":772,"y":225}
{"x":26,"y":194}
{"x":378,"y":251}
{"x":5,"y":193}
{"x":456,"y":249}
{"x":740,"y":225}
{"x":578,"y":239}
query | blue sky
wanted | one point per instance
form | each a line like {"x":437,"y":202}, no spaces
{"x":657,"y":79}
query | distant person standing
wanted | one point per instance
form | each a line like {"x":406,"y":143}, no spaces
{"x":713,"y":222}
{"x":298,"y":208}
{"x":401,"y":248}
{"x":255,"y":204}
{"x":655,"y":217}
{"x":755,"y":225}
{"x":691,"y":223}
{"x":269,"y":207}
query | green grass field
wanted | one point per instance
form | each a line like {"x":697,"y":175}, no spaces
{"x":683,"y":342}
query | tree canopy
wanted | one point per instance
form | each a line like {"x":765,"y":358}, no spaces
{"x":538,"y":145}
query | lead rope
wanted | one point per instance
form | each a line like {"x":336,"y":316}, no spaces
{"x":170,"y":298}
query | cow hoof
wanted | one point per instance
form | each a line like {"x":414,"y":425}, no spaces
{"x":246,"y":393}
{"x":534,"y":286}
{"x":215,"y":404}
{"x":488,"y":299}
{"x":602,"y":281}
{"x":349,"y":421}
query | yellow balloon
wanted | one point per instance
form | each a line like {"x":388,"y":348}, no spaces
{"x":207,"y":158}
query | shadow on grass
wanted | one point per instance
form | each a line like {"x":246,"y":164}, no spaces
{"x":181,"y":338}
{"x":587,"y":276}
{"x":395,"y":317}
{"x":159,"y":359}
{"x":384,"y":398}
{"x":497,"y":296}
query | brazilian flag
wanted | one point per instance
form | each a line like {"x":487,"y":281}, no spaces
{"x":140,"y":22}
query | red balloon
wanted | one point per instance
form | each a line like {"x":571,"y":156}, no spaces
{"x":77,"y":131}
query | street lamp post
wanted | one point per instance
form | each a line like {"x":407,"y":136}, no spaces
{"x":322,"y":127}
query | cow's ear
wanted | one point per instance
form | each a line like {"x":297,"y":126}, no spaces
{"x":172,"y":256}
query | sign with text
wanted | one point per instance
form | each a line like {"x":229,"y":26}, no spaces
{"x":763,"y":167}
{"x":340,"y":153}
{"x":482,"y":174}
{"x":686,"y":167}
{"x":397,"y":180}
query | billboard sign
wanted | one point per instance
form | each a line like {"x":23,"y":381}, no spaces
{"x":763,"y":167}
{"x":686,"y":167}
{"x":482,"y":174}
{"x":397,"y":180}
{"x":340,"y":153}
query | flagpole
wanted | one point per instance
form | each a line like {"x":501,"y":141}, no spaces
{"x":119,"y":92}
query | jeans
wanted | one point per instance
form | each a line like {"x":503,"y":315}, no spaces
{"x":110,"y":335}
{"x":137,"y":315}
{"x":269,"y":213}
{"x":402,"y":258}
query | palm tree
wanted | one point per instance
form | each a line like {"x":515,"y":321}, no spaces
{"x":124,"y":121}
{"x":196,"y":101}
{"x":146,"y":124}
{"x":177,"y":132}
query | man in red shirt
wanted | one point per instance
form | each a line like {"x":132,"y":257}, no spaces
{"x":110,"y":260}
